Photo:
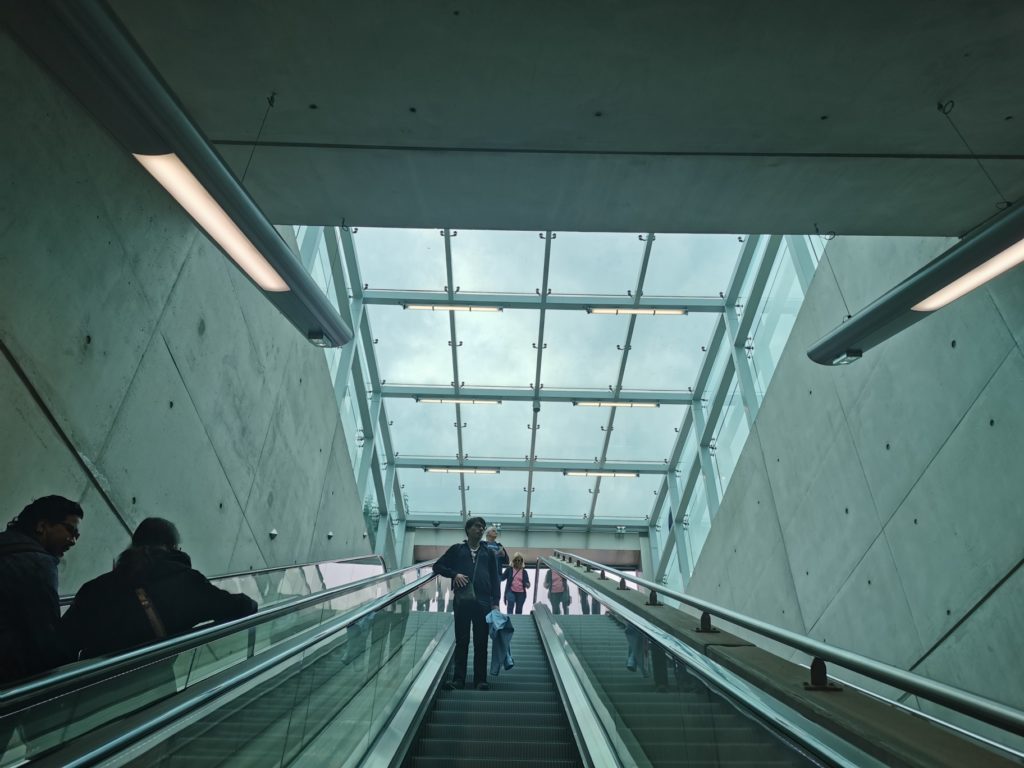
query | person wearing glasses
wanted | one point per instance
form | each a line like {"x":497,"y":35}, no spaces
{"x":152,"y":593}
{"x":30,"y":549}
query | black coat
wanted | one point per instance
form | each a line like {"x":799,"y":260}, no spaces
{"x":29,"y":607}
{"x":486,"y":583}
{"x":107,"y":616}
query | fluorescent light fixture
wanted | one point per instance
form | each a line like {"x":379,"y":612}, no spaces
{"x":461,"y":471}
{"x":983,"y":254}
{"x":632,"y":311}
{"x":457,"y":401}
{"x":86,"y":48}
{"x":451,"y":308}
{"x":599,"y":473}
{"x":614,"y":404}
{"x":977,"y":277}
{"x":193,"y":197}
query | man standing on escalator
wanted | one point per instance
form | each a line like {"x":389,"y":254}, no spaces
{"x":473,"y":569}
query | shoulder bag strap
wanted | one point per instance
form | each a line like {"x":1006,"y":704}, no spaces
{"x":154,"y":618}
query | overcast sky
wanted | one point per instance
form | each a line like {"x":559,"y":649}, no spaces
{"x":497,"y":350}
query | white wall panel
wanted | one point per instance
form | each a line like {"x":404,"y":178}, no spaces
{"x":946,"y":494}
{"x":93,"y":252}
{"x":961,"y":528}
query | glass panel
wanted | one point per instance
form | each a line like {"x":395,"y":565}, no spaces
{"x":730,"y":437}
{"x":644,"y":434}
{"x":627,"y":497}
{"x":559,"y":496}
{"x":68,"y":716}
{"x":697,"y":521}
{"x":329,"y":700}
{"x":570,"y":431}
{"x":581,"y":349}
{"x":497,"y":430}
{"x":594,"y":262}
{"x":413,"y":346}
{"x":666,"y":351}
{"x":691,"y":265}
{"x":350,"y":418}
{"x":497,"y":496}
{"x":494,"y":260}
{"x":410,"y":259}
{"x":661,"y":711}
{"x":497,"y":348}
{"x":430,"y":492}
{"x":423,"y":429}
{"x":775,"y":320}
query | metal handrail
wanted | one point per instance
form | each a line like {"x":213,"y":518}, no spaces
{"x":93,"y":747}
{"x":68,"y":599}
{"x":970,"y":704}
{"x":43,"y":688}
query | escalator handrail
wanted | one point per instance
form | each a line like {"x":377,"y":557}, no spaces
{"x":978,"y":707}
{"x":43,"y":688}
{"x":68,"y":599}
{"x":91,"y":749}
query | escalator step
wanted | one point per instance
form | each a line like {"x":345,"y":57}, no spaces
{"x":549,"y":733}
{"x":485,"y":750}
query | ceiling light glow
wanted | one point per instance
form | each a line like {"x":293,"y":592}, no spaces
{"x":977,"y":277}
{"x":461,"y":471}
{"x":615,"y":404}
{"x":633,"y":311}
{"x":457,"y":401}
{"x":193,"y":197}
{"x":451,"y":308}
{"x":599,"y":473}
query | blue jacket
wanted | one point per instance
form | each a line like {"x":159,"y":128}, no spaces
{"x":29,"y":607}
{"x":500,"y":631}
{"x":459,"y":559}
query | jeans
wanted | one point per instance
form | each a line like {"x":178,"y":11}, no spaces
{"x":515,"y":602}
{"x":474,"y":615}
{"x":559,"y":600}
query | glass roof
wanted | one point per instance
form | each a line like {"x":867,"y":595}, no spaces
{"x":581,"y":349}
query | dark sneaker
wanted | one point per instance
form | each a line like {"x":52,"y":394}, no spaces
{"x":483,"y":687}
{"x":454,"y":685}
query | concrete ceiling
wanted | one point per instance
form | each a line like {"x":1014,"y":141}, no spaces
{"x":663,"y":115}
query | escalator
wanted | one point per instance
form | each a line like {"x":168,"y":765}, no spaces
{"x":520,"y":721}
{"x":352,"y":675}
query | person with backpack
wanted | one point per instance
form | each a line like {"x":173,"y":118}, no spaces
{"x":152,"y":593}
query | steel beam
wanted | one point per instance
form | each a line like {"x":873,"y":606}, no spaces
{"x":540,"y":465}
{"x":530,"y":394}
{"x":637,"y":297}
{"x":542,"y":315}
{"x":564,"y":302}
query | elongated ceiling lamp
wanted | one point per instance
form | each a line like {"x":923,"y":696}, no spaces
{"x":90,"y":52}
{"x":979,"y":257}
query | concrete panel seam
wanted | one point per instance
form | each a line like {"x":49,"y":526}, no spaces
{"x":860,"y":461}
{"x":1009,"y":328}
{"x":981,"y":601}
{"x":206,"y":432}
{"x":88,"y":467}
{"x":323,"y":487}
{"x":277,"y":400}
{"x":782,"y":537}
{"x":981,"y":391}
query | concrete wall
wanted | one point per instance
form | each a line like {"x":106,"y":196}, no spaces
{"x":183,"y":393}
{"x":877,"y":506}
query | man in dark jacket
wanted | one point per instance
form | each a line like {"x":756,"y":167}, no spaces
{"x":30,"y":549}
{"x":471,"y":564}
{"x":153,"y":592}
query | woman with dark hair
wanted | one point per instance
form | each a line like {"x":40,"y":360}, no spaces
{"x":152,"y":593}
